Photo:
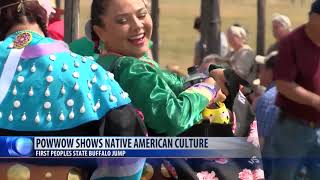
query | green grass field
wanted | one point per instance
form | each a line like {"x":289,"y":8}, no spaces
{"x":176,"y":20}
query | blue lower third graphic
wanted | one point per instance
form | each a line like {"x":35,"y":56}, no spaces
{"x":19,"y":146}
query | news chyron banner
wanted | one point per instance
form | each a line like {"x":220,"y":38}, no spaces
{"x":109,"y":147}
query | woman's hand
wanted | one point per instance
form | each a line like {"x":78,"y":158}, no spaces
{"x":220,"y":97}
{"x":210,"y":81}
{"x":218,"y":76}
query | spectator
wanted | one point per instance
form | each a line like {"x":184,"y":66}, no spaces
{"x":281,"y":27}
{"x":207,"y":61}
{"x":297,"y":73}
{"x":201,"y":48}
{"x":241,"y":58}
{"x":266,"y":110}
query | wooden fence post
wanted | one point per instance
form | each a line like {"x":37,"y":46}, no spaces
{"x":58,"y":4}
{"x":261,"y":21}
{"x":203,"y":27}
{"x":71,"y":20}
{"x":155,"y":10}
{"x":210,"y":26}
{"x":214,"y":27}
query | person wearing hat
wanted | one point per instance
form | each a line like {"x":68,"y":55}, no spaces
{"x":281,"y":27}
{"x":295,"y":135}
{"x":266,"y":110}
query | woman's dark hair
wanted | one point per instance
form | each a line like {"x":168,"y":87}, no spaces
{"x":237,"y":25}
{"x":31,"y":11}
{"x":271,"y":62}
{"x":98,"y":8}
{"x":197,"y":23}
{"x":315,"y":7}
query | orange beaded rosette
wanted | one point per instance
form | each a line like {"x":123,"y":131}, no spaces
{"x":22,"y":40}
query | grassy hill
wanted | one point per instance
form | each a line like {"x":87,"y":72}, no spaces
{"x":176,"y":20}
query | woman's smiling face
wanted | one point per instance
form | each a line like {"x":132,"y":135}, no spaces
{"x":126,"y":28}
